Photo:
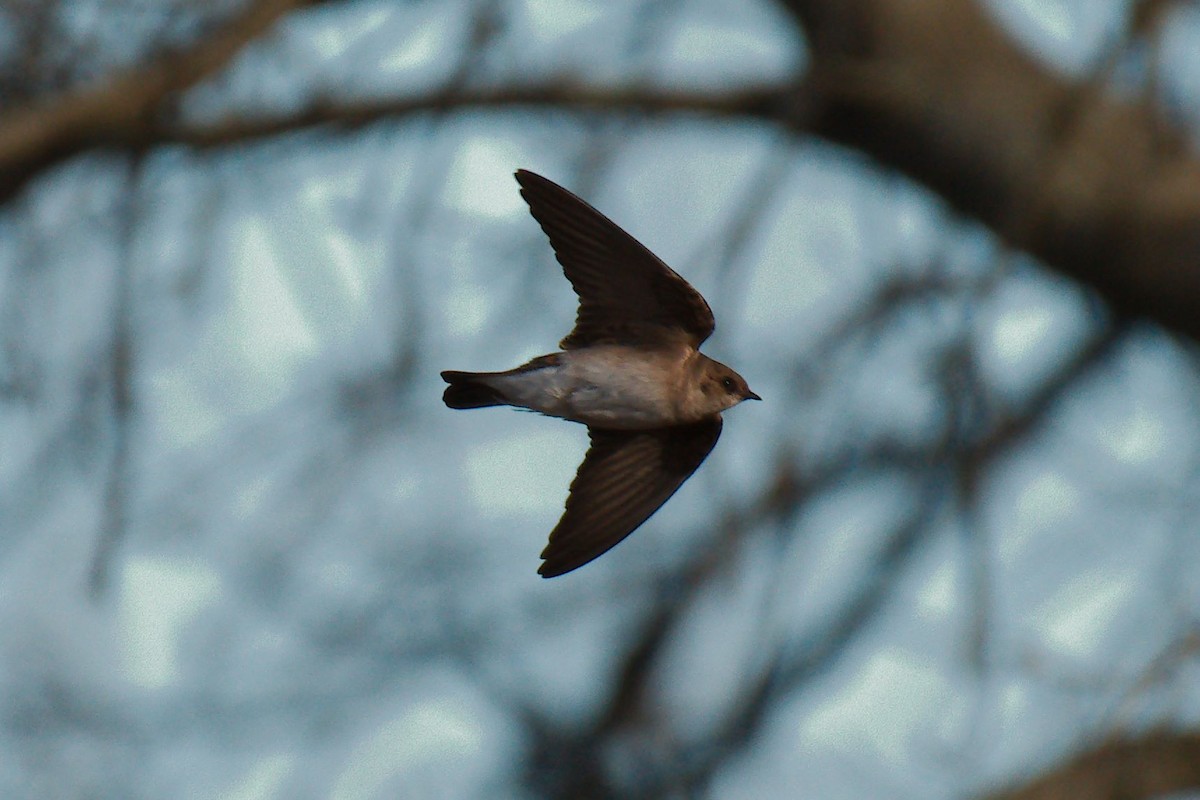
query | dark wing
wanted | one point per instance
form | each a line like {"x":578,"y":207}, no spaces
{"x":624,"y":478}
{"x":627,"y":295}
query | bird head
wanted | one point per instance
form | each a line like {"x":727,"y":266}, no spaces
{"x":723,"y":388}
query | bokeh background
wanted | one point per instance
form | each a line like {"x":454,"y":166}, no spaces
{"x":246,"y":553}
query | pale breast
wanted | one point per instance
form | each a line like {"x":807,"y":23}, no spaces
{"x":606,"y":386}
{"x":619,"y":387}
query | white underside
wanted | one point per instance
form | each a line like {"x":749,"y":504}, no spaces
{"x":605,"y":392}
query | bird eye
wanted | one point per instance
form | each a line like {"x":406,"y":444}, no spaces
{"x":727,"y":383}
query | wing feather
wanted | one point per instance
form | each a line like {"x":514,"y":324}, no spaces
{"x":627,"y":295}
{"x":625,"y":477}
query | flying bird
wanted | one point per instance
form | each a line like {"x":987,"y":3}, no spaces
{"x":630,"y":370}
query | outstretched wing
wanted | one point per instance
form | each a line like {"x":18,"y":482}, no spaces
{"x":625,"y":477}
{"x":627,"y":295}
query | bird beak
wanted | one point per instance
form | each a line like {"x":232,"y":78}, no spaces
{"x":752,"y":396}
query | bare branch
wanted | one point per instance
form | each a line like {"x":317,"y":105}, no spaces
{"x":1094,"y":184}
{"x":1153,"y":766}
{"x":746,"y":102}
{"x":118,"y":110}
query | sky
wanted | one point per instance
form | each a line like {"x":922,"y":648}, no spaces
{"x":323,"y":582}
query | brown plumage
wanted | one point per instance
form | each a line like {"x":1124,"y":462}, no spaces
{"x":630,"y":370}
{"x":627,"y":295}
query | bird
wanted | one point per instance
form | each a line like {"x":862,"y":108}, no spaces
{"x":630,"y":370}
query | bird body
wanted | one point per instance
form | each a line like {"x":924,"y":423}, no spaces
{"x":611,"y":386}
{"x":630,"y":370}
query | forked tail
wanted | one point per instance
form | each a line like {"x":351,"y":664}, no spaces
{"x":469,"y":390}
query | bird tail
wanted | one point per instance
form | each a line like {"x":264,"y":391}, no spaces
{"x":470,"y":390}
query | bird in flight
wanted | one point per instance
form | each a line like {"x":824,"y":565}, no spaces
{"x":630,"y":370}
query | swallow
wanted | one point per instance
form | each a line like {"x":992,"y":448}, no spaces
{"x":631,"y":370}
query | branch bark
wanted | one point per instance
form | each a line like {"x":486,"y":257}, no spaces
{"x":1133,"y":769}
{"x":121,"y":109}
{"x":1095,"y":185}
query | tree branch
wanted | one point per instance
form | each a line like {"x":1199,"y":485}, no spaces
{"x":1097,"y":186}
{"x":1153,"y":766}
{"x":762,"y":102}
{"x":119,"y":110}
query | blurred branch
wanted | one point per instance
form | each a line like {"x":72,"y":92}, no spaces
{"x":1096,"y":185}
{"x":1153,"y":766}
{"x":120,"y":374}
{"x":763,"y":102}
{"x":120,"y":110}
